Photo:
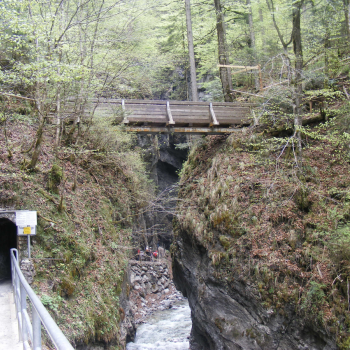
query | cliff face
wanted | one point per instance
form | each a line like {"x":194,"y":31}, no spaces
{"x":230,"y":315}
{"x":86,"y":201}
{"x":256,"y":246}
{"x":163,"y":159}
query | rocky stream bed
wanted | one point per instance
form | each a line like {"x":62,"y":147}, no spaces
{"x":154,"y":307}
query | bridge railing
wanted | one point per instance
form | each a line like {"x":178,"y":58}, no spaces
{"x":30,"y":332}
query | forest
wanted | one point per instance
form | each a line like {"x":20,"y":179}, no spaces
{"x":268,"y":205}
{"x":137,"y":49}
{"x":58,"y":54}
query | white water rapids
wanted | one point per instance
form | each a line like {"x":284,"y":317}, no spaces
{"x":165,"y":329}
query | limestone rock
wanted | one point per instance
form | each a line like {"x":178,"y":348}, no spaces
{"x":27,"y":268}
{"x":230,"y":316}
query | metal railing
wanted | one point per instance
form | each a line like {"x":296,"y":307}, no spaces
{"x":30,"y":332}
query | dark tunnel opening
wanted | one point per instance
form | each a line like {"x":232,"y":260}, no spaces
{"x":8,"y":240}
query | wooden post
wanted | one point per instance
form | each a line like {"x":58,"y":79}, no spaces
{"x":260,"y":78}
{"x":213,"y":120}
{"x":170,"y":120}
{"x":125,"y":118}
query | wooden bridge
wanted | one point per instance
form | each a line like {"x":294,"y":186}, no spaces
{"x":158,"y":116}
{"x":153,"y":117}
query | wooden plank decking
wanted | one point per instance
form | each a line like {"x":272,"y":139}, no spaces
{"x":158,"y":116}
{"x":184,"y":116}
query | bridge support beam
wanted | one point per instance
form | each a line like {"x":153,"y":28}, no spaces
{"x":180,"y":130}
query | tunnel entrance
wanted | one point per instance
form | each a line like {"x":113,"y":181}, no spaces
{"x":8,"y":240}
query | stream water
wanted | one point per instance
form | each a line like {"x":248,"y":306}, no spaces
{"x":165,"y":329}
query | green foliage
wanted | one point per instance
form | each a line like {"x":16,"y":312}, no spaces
{"x":82,"y":285}
{"x":266,"y":221}
{"x":327,"y":94}
{"x":312,"y":302}
{"x":225,"y":242}
{"x":55,"y":178}
{"x":52,"y":303}
{"x":340,"y":242}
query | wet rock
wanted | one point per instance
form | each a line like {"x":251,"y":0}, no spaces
{"x":168,"y":304}
{"x":161,"y":252}
{"x":27,"y":268}
{"x":134,"y":278}
{"x":230,"y":316}
{"x":151,"y":286}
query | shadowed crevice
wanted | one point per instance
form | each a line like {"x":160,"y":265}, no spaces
{"x":8,"y":240}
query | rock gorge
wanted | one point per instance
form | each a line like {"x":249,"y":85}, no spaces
{"x":247,"y":250}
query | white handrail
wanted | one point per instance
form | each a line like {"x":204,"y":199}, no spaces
{"x":40,"y":315}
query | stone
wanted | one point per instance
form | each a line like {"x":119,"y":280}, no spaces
{"x":161,"y":252}
{"x":168,"y":304}
{"x":135,"y":279}
{"x":148,"y":288}
{"x":230,"y":316}
{"x":27,"y":268}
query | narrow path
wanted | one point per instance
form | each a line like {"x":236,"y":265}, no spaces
{"x":8,"y":322}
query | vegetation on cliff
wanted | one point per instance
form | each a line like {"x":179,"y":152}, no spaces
{"x":87,"y":196}
{"x":270,"y":203}
{"x":278,"y":224}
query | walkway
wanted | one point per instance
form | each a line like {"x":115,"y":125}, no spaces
{"x":147,"y":116}
{"x":8,"y":322}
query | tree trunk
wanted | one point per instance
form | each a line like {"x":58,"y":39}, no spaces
{"x":346,"y":4}
{"x":272,"y":10}
{"x":191,"y":51}
{"x":348,"y":19}
{"x":297,"y":47}
{"x":58,"y":116}
{"x":327,"y":45}
{"x":261,"y":18}
{"x":225,"y":73}
{"x":252,"y":44}
{"x":38,"y":142}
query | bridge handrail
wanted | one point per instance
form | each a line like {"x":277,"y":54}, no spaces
{"x":172,"y":102}
{"x":40,"y":315}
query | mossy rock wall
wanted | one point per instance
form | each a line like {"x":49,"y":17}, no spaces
{"x":258,"y":234}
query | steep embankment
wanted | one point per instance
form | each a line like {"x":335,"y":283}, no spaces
{"x":87,"y":194}
{"x":262,"y":243}
{"x":164,"y":158}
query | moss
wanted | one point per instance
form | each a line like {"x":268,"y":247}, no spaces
{"x":55,"y":178}
{"x":83,"y":283}
{"x":225,"y":242}
{"x":301,"y":199}
{"x":285,"y":232}
{"x":344,"y":344}
{"x":218,"y":323}
{"x":67,"y":287}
